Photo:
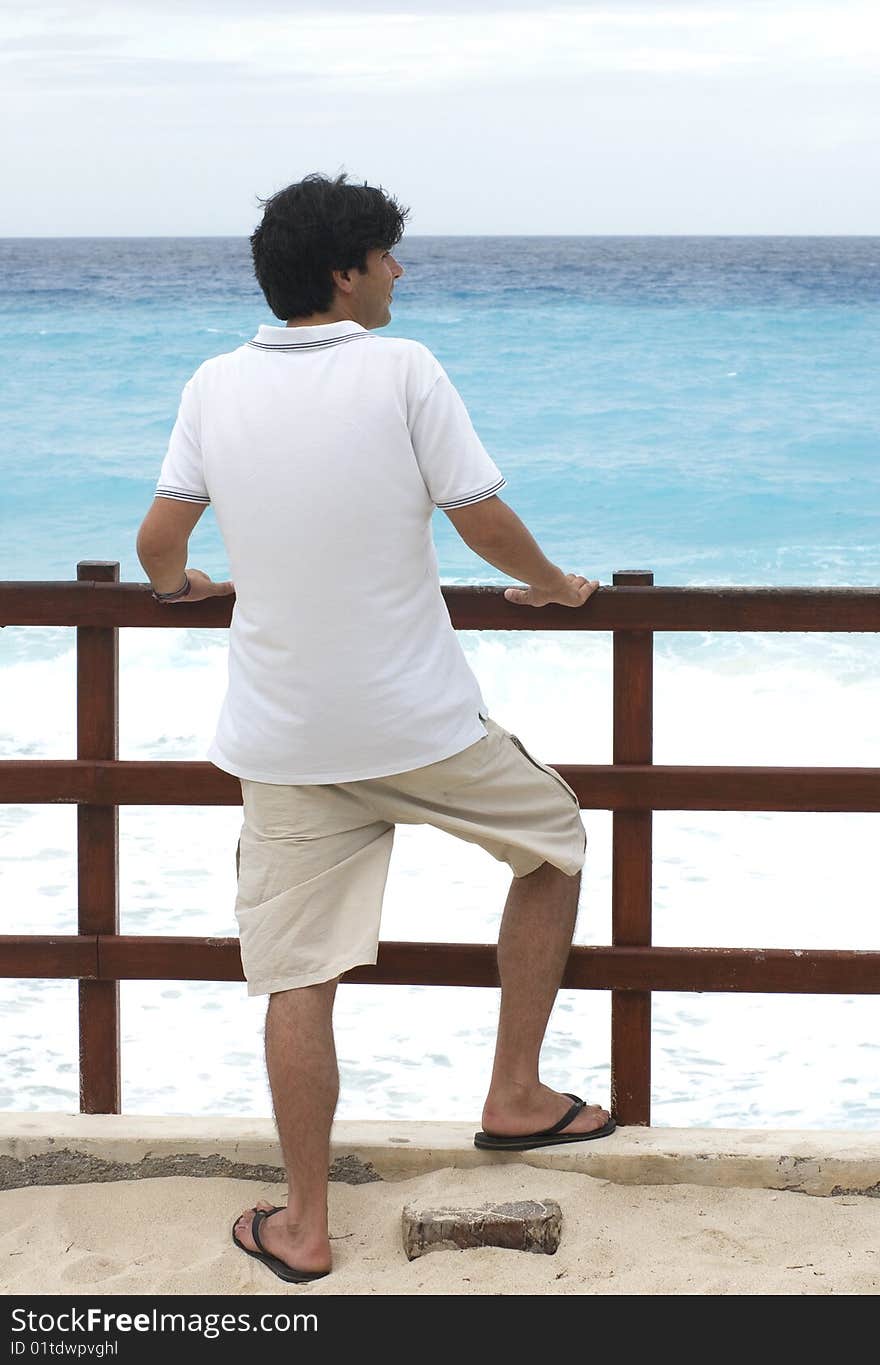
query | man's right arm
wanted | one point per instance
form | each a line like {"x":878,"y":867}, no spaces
{"x":494,"y":532}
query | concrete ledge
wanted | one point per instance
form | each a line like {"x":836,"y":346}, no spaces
{"x":52,"y":1149}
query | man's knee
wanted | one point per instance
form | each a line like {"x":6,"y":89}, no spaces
{"x":550,"y":870}
{"x":305,"y":997}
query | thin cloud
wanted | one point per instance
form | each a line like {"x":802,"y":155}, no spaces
{"x":412,"y":52}
{"x":88,"y":75}
{"x":61,"y":42}
{"x":74,"y":9}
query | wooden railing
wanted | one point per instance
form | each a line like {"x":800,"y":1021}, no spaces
{"x":97,"y":604}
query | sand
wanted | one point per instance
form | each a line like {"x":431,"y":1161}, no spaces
{"x":172,"y":1236}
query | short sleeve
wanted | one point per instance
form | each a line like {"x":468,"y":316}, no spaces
{"x":452,"y":459}
{"x":182,"y":474}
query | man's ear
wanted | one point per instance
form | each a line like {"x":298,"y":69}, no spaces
{"x":342,"y":280}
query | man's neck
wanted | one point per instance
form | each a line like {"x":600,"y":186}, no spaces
{"x":321,"y":319}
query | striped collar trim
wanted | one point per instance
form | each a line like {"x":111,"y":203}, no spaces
{"x":307,"y":338}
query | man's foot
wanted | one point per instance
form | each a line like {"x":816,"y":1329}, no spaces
{"x":294,"y":1248}
{"x":514,"y":1113}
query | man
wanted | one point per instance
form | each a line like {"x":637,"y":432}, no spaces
{"x":324,"y":450}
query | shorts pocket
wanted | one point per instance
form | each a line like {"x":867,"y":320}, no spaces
{"x":551,"y":772}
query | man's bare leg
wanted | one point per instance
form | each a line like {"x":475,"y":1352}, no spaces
{"x":301,"y":1061}
{"x":533,"y":947}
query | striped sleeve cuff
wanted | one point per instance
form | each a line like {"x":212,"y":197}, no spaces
{"x":181,"y":494}
{"x":473,"y":497}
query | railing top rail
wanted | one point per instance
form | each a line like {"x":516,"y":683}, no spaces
{"x":482,"y":608}
{"x":622,"y":787}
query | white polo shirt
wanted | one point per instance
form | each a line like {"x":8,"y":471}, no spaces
{"x":324,"y":451}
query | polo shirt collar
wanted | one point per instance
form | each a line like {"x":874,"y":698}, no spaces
{"x":307,"y":338}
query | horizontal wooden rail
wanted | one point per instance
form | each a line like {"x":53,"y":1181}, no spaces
{"x":49,"y":955}
{"x":123,"y":783}
{"x":630,"y":786}
{"x":129,"y":957}
{"x":476,"y":608}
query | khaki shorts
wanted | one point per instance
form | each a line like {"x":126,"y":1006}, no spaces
{"x":313,"y":858}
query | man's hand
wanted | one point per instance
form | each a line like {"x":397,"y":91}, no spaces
{"x":495,"y":533}
{"x":201,"y":586}
{"x":572,"y":591}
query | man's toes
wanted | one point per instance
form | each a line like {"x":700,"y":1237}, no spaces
{"x":245,"y":1222}
{"x":243,"y":1230}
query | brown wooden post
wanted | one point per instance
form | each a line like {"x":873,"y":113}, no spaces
{"x":97,"y":736}
{"x":631,"y":866}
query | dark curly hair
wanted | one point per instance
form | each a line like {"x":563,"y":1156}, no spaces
{"x":314,"y":227}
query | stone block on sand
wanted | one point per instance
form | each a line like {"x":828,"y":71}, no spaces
{"x":519,"y":1225}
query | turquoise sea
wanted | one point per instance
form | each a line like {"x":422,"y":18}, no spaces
{"x":702,"y":407}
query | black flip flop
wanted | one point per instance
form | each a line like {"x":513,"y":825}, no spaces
{"x":279,"y":1268}
{"x":548,"y":1137}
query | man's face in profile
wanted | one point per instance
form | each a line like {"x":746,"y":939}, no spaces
{"x":370,"y":299}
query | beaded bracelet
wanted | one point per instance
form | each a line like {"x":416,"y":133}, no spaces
{"x":172,"y":596}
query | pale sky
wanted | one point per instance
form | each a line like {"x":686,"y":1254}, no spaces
{"x":170,"y":117}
